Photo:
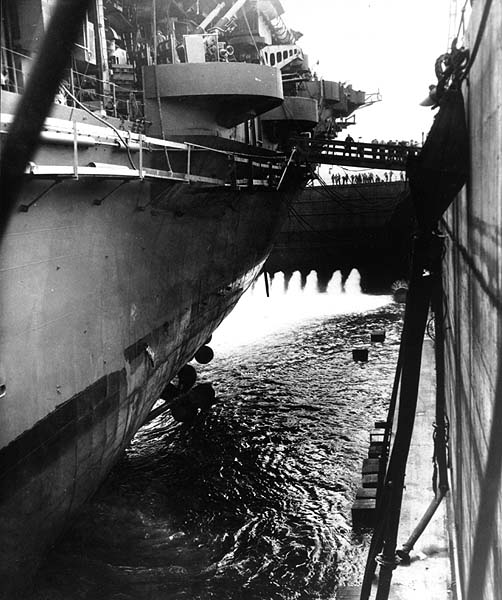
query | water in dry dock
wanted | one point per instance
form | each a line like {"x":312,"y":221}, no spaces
{"x":252,"y":501}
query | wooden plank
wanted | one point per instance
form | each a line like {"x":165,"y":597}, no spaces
{"x":366,"y":492}
{"x":371,"y":465}
{"x":363,"y":512}
{"x":377,"y":433}
{"x":348,"y":593}
{"x":370,"y":480}
{"x":377,"y":436}
{"x":364,"y":504}
{"x":375,"y":450}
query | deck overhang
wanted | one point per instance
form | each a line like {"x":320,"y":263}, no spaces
{"x":233,"y":92}
{"x":302,"y":111}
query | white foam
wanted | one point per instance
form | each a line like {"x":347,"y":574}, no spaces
{"x":353,"y":283}
{"x":335,"y":284}
{"x":256,"y":316}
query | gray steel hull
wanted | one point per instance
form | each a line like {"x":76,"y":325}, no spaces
{"x":101,"y":306}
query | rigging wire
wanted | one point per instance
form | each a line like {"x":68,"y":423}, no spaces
{"x":352,"y":169}
{"x":162,"y":130}
{"x":80,"y":76}
{"x":328,"y":192}
{"x":252,"y":36}
{"x":308,"y":227}
{"x":452,"y":21}
{"x":69,"y":93}
{"x":479,"y":37}
{"x":104,"y":122}
{"x":462,"y":20}
{"x":36,"y":102}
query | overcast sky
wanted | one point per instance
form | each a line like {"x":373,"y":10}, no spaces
{"x":377,"y":45}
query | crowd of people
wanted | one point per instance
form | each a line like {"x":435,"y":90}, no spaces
{"x":407,"y":143}
{"x":378,"y":149}
{"x":358,"y":178}
{"x":410,"y":143}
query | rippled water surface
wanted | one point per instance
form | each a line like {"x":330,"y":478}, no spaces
{"x":252,"y":500}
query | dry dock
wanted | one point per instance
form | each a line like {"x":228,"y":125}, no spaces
{"x":429,"y":574}
{"x":340,"y":227}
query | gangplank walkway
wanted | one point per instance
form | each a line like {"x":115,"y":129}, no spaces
{"x":355,"y":154}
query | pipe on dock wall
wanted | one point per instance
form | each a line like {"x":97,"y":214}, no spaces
{"x":407,"y":547}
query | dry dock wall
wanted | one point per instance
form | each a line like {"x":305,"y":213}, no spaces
{"x":473,"y":325}
{"x":362,"y":226}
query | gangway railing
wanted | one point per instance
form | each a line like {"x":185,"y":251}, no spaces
{"x":355,"y":154}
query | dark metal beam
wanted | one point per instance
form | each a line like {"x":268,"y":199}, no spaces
{"x":35,"y":104}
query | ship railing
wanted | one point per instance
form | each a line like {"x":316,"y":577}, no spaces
{"x":104,"y":171}
{"x":116,"y":101}
{"x":96,"y":94}
{"x":259,"y":170}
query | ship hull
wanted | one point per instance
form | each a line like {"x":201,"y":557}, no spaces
{"x":102,"y":304}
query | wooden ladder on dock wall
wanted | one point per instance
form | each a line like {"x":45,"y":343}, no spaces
{"x":373,"y":470}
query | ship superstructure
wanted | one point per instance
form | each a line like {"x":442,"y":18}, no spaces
{"x":175,"y":69}
{"x":162,"y":176}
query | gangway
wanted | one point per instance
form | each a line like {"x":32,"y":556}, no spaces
{"x":355,"y":154}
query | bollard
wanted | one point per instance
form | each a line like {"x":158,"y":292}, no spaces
{"x":360,"y":354}
{"x":378,"y":335}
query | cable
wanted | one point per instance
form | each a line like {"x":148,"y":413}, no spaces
{"x":352,"y":169}
{"x":310,"y":228}
{"x":252,"y":36}
{"x":329,"y":192}
{"x":106,"y":123}
{"x":241,"y":154}
{"x":35,"y":104}
{"x":372,"y":204}
{"x":479,"y":37}
{"x":161,"y":119}
{"x":461,"y":19}
{"x":76,"y":73}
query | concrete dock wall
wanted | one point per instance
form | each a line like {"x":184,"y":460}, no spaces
{"x":473,"y":325}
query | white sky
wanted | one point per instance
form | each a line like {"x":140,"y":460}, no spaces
{"x":376,"y":45}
